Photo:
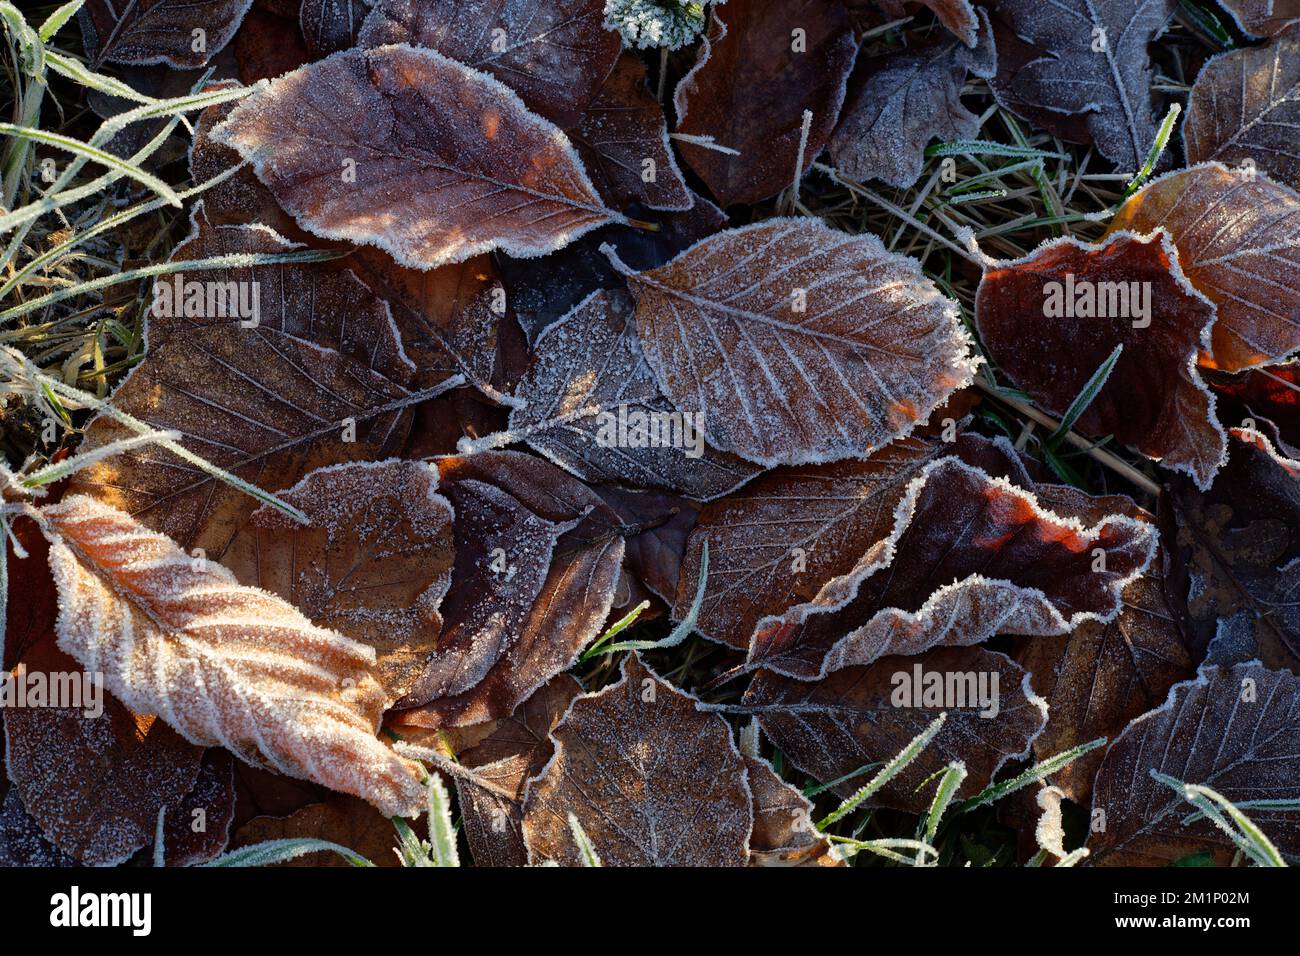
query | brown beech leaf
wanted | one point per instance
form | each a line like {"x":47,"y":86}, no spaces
{"x":1271,"y":394}
{"x":1238,"y":239}
{"x":537,"y":560}
{"x":1245,"y":106}
{"x":776,"y":541}
{"x":792,"y":343}
{"x":1064,"y":74}
{"x":1262,"y":18}
{"x":1100,"y":676}
{"x":198,"y":829}
{"x":1053,"y":318}
{"x":592,"y":406}
{"x":261,"y":402}
{"x":226,"y":665}
{"x":517,"y":749}
{"x":652,"y":779}
{"x":554,"y":53}
{"x":361,"y":146}
{"x":374,"y":564}
{"x":656,"y":527}
{"x":1238,"y":547}
{"x":749,"y":88}
{"x":858,"y":716}
{"x":1233,"y":729}
{"x":21,"y":841}
{"x":784,"y":833}
{"x":905,"y":100}
{"x":331,"y":25}
{"x":346,"y":821}
{"x":93,"y":781}
{"x":623,"y":129}
{"x":158,"y":31}
{"x":969,"y":557}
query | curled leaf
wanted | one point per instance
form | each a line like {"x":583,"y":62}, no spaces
{"x":184,"y":34}
{"x":226,"y":665}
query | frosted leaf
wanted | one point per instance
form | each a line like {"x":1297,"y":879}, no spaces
{"x":652,"y":779}
{"x":93,"y":783}
{"x":226,"y":665}
{"x":1245,"y":105}
{"x":1239,"y":546}
{"x":1266,"y":396}
{"x":21,"y":840}
{"x":1085,"y":60}
{"x":1051,"y":319}
{"x":158,"y":31}
{"x":969,"y":557}
{"x":908,"y":99}
{"x":360,"y":146}
{"x":656,"y":527}
{"x":784,"y":833}
{"x":269,"y":44}
{"x":1263,"y":18}
{"x":1238,"y":239}
{"x":750,"y":86}
{"x":537,"y":560}
{"x":261,"y":402}
{"x":517,"y":748}
{"x":213,"y":795}
{"x":854,"y":717}
{"x":343,"y":820}
{"x":623,"y":130}
{"x":591,"y":401}
{"x":797,"y":343}
{"x":331,"y":25}
{"x":776,"y":541}
{"x":554,"y":53}
{"x":1050,"y":831}
{"x":1232,"y":729}
{"x":670,"y":24}
{"x":373,"y":565}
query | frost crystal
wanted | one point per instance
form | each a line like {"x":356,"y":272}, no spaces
{"x":656,"y":23}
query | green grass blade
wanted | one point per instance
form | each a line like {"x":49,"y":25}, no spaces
{"x":887,"y":772}
{"x":682,"y":630}
{"x":278,"y":851}
{"x":1035,"y":773}
{"x":442,"y":834}
{"x":949,"y":783}
{"x":1157,"y":149}
{"x":586,"y":852}
{"x":55,"y":21}
{"x":1085,"y":397}
{"x":94,"y":155}
{"x":1248,"y":837}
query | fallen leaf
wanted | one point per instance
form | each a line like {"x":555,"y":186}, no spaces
{"x":537,"y":561}
{"x":1233,"y":729}
{"x":652,"y":779}
{"x":1238,"y":239}
{"x":198,"y":829}
{"x":554,"y":53}
{"x":92,"y":780}
{"x":517,"y":749}
{"x":260,"y":402}
{"x":1262,"y":18}
{"x":1053,"y":318}
{"x":1270,"y":394}
{"x":374,"y":564}
{"x":957,"y":15}
{"x":655,"y":528}
{"x":346,"y":821}
{"x":592,"y":406}
{"x":854,"y":717}
{"x":1086,"y":59}
{"x":360,"y":146}
{"x":784,"y":833}
{"x":21,"y":840}
{"x":331,"y":25}
{"x":969,"y":557}
{"x":741,"y":322}
{"x":1245,"y":105}
{"x":269,"y":45}
{"x":753,"y":78}
{"x":903,"y":101}
{"x":622,"y":138}
{"x":776,"y":541}
{"x":1238,"y":547}
{"x":184,"y":34}
{"x":225,"y":665}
